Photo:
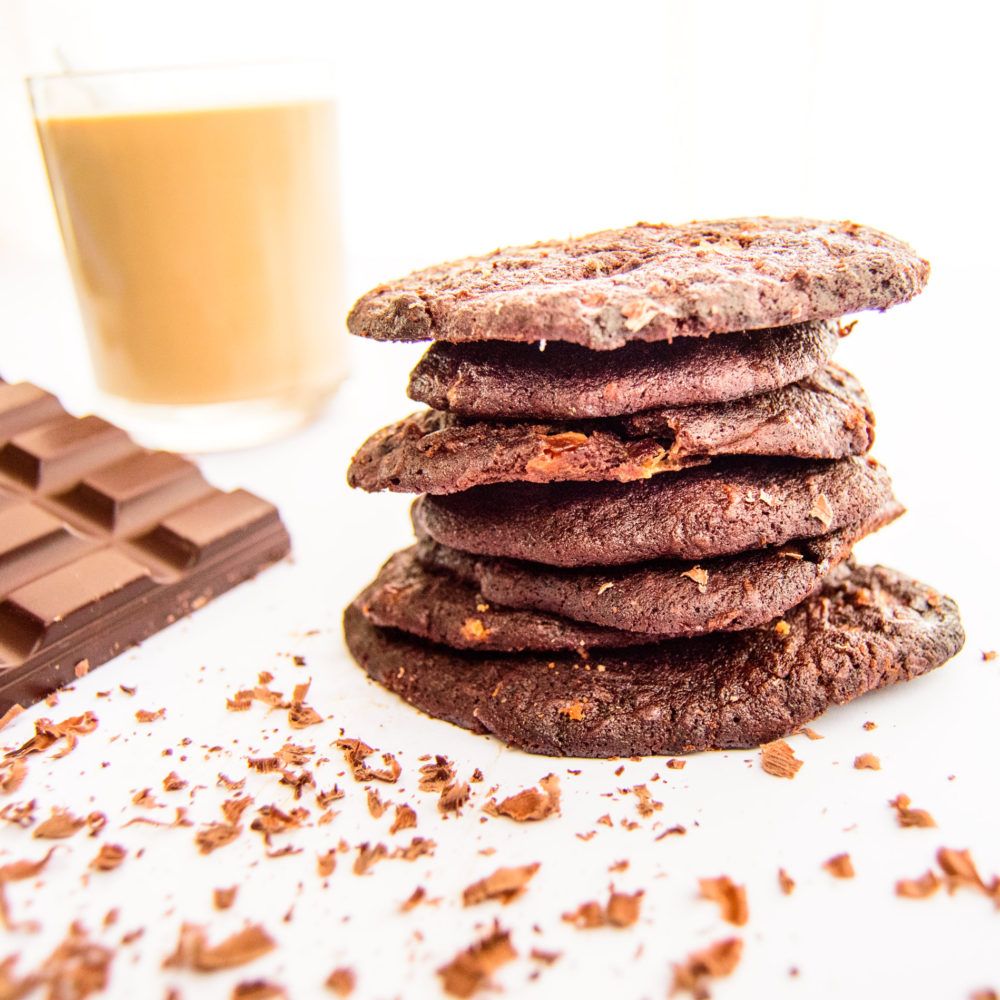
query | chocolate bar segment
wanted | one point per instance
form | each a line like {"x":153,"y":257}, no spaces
{"x":103,"y":543}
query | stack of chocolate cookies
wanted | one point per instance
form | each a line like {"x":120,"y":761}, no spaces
{"x":642,"y":476}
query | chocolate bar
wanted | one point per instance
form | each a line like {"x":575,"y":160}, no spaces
{"x":103,"y":542}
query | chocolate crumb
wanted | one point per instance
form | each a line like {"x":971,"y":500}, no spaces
{"x":531,"y":804}
{"x":504,"y":885}
{"x":779,"y":759}
{"x":224,"y":898}
{"x":341,"y":981}
{"x":470,"y":970}
{"x":918,"y":888}
{"x":840,"y":866}
{"x":867,"y":762}
{"x":910,"y":817}
{"x":622,"y":910}
{"x":786,"y":882}
{"x":194,"y":952}
{"x":732,"y":898}
{"x":714,"y":962}
{"x":109,"y":857}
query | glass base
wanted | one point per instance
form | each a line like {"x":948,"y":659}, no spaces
{"x":213,"y":426}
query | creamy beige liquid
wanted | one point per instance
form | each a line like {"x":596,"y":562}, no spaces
{"x":205,"y":248}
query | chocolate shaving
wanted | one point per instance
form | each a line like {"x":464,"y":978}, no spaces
{"x":840,"y":866}
{"x":405,"y":819}
{"x":48,"y":732}
{"x":341,"y":981}
{"x":867,"y":762}
{"x":714,"y":962}
{"x":434,"y":777}
{"x":368,"y":856}
{"x":222,"y":899}
{"x":470,"y":970}
{"x":786,"y":882}
{"x":504,"y":885}
{"x":413,"y":900}
{"x":142,"y":715}
{"x":12,"y":775}
{"x":173,"y":782}
{"x":732,"y":898}
{"x":779,"y":759}
{"x":10,"y":715}
{"x":960,"y":870}
{"x":326,"y":863}
{"x":356,"y":752}
{"x":622,"y":910}
{"x":918,"y":888}
{"x":60,"y":825}
{"x":531,"y":804}
{"x":453,"y":797}
{"x":258,"y":989}
{"x":17,"y":871}
{"x":215,"y":835}
{"x":910,"y":817}
{"x":194,"y":952}
{"x":647,"y":805}
{"x":109,"y":857}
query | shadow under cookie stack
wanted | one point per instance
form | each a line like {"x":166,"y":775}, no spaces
{"x":642,"y":477}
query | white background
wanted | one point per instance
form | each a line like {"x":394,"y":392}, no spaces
{"x":466,"y":126}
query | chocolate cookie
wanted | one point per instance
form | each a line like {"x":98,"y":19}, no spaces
{"x":734,"y":505}
{"x":663,"y":598}
{"x":565,"y":381}
{"x":649,"y":282}
{"x":824,"y":416}
{"x":437,"y":605}
{"x":867,"y":628}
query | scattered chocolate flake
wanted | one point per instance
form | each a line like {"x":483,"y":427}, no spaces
{"x":300,"y":716}
{"x":17,"y":871}
{"x":258,"y":989}
{"x":811,"y":733}
{"x":10,"y":715}
{"x":732,"y":898}
{"x":194,"y":952}
{"x":434,"y":777}
{"x":173,"y":782}
{"x":677,"y":830}
{"x":589,"y":835}
{"x":676,"y":764}
{"x":647,"y":805}
{"x":504,"y":885}
{"x":341,"y":981}
{"x":413,"y":900}
{"x":477,"y":776}
{"x":605,"y":820}
{"x":355,"y":751}
{"x":840,"y":866}
{"x":453,"y":797}
{"x":545,"y":957}
{"x":470,"y":970}
{"x":959,"y":870}
{"x":222,"y":899}
{"x":228,"y":783}
{"x":375,"y":804}
{"x":622,"y":910}
{"x":12,"y":775}
{"x":910,"y":817}
{"x":215,"y":835}
{"x":869,"y":726}
{"x":531,"y":804}
{"x":293,"y":755}
{"x":326,"y":863}
{"x":109,"y":857}
{"x":77,"y":968}
{"x":918,"y":888}
{"x":867,"y":762}
{"x":323,"y":799}
{"x":368,"y":856}
{"x":417,"y":848}
{"x":988,"y":656}
{"x":145,"y":799}
{"x":822,"y":511}
{"x":60,"y":825}
{"x":786,"y":882}
{"x":986,"y":994}
{"x":264,"y":765}
{"x":233,"y":809}
{"x":405,"y":819}
{"x":699,"y":576}
{"x":779,"y":759}
{"x":271,"y":820}
{"x":714,"y":962}
{"x":144,"y":716}
{"x":619,"y":866}
{"x":48,"y":732}
{"x":21,"y":814}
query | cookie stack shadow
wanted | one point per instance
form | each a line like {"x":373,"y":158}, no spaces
{"x":641,"y":478}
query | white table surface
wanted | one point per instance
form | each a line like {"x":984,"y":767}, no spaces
{"x":930,"y":370}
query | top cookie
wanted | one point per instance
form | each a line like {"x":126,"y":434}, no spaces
{"x":649,"y":282}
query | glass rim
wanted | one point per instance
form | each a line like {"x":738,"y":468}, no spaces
{"x":315,"y":62}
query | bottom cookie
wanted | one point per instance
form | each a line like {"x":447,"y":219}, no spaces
{"x":866,"y":628}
